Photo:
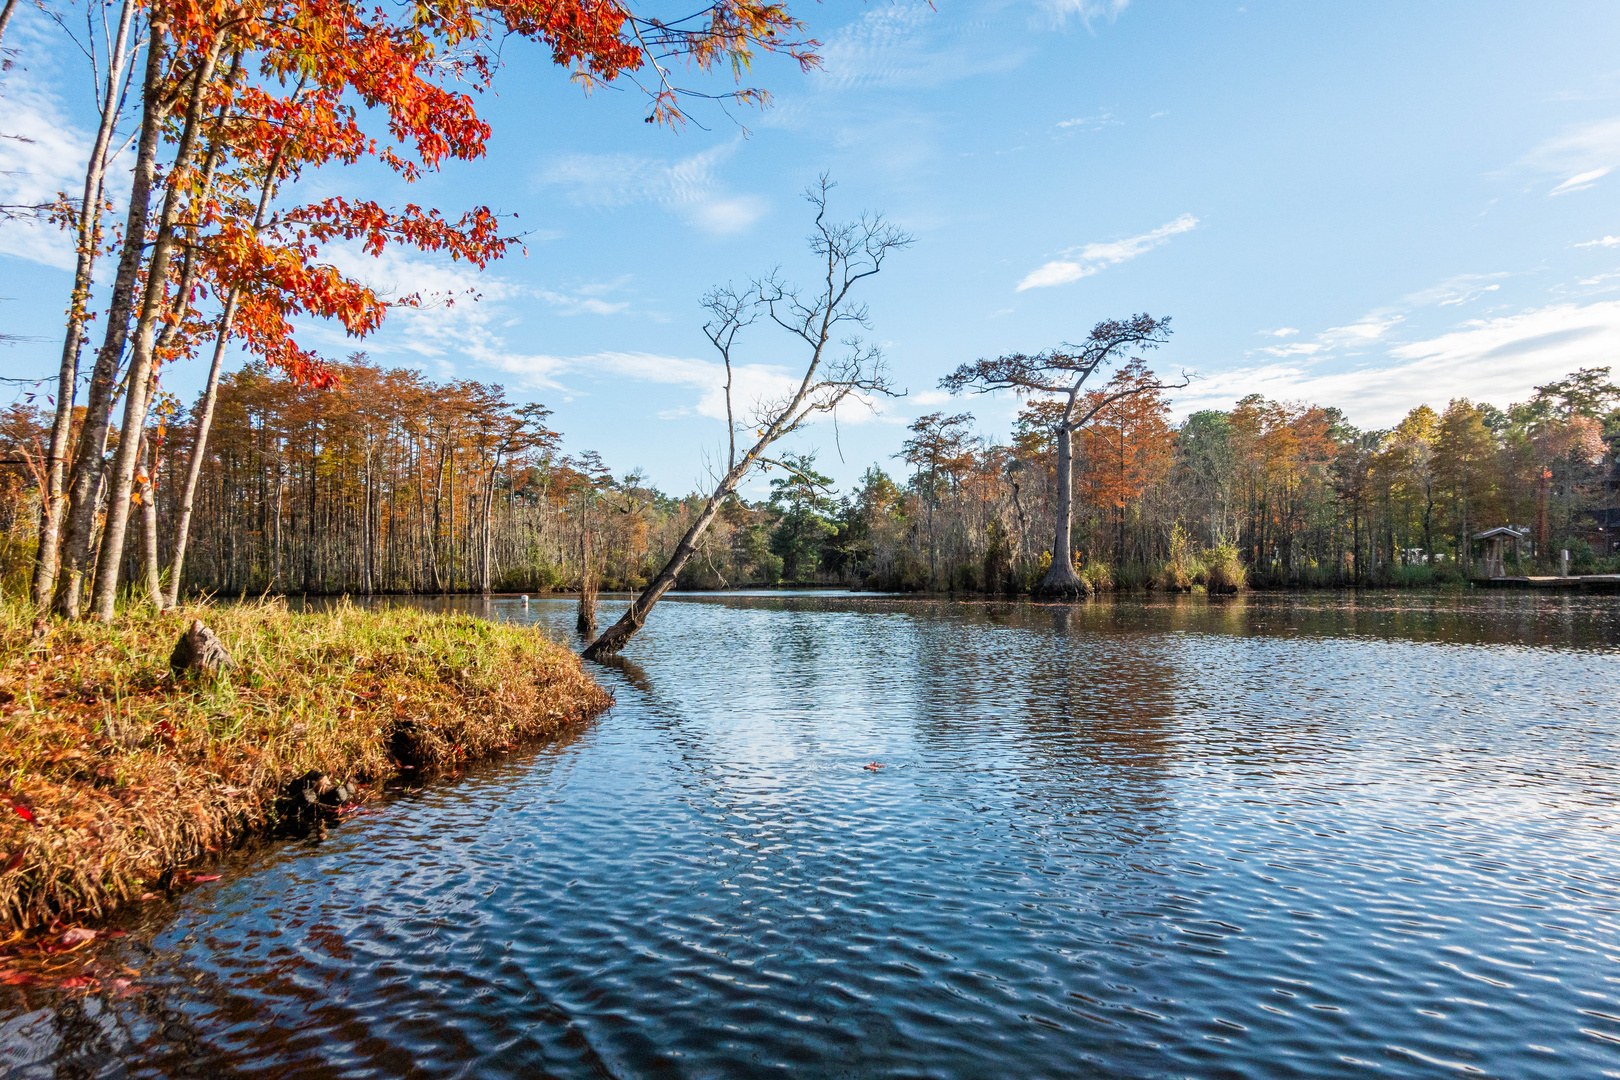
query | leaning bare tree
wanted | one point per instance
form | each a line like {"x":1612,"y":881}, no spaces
{"x":838,"y":365}
{"x":1063,"y":372}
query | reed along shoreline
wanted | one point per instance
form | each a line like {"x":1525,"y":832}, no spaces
{"x":118,"y":779}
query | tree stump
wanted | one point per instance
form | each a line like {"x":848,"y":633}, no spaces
{"x":199,"y":649}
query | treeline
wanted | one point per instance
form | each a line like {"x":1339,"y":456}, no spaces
{"x":1289,"y":494}
{"x":389,"y":482}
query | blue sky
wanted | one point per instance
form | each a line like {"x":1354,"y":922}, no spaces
{"x":1367,"y":205}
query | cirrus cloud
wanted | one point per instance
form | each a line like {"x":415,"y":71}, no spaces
{"x":1092,"y":259}
{"x":689,"y":186}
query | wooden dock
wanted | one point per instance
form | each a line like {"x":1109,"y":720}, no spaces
{"x":1575,"y":582}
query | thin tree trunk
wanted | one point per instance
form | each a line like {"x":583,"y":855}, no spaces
{"x":487,"y":533}
{"x":275,"y":566}
{"x":367,"y":533}
{"x":88,"y":464}
{"x":89,"y":241}
{"x":141,"y":363}
{"x":199,"y":450}
{"x":620,"y":633}
{"x":149,"y":521}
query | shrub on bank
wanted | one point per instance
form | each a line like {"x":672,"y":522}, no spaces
{"x":1097,"y":576}
{"x":115,"y":774}
{"x":1224,"y":569}
{"x":1183,"y":567}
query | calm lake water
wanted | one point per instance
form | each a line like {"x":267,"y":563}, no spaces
{"x":1266,"y":837}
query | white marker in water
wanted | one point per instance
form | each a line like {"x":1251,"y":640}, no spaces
{"x":525,"y":599}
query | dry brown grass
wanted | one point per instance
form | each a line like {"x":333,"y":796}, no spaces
{"x":115,"y":778}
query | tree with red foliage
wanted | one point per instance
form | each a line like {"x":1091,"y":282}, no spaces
{"x":1127,"y":444}
{"x":251,"y":94}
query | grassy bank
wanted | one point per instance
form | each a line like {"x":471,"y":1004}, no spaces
{"x":116,"y":779}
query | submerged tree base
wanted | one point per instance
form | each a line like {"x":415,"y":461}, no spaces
{"x":115,"y":776}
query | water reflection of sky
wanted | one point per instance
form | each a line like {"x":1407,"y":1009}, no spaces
{"x":1301,"y":836}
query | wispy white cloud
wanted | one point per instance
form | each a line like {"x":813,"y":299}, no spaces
{"x":468,"y":315}
{"x":1499,"y":360}
{"x":582,"y":305}
{"x":1582,"y":181}
{"x":459,"y":312}
{"x":1456,"y":291}
{"x":1094,"y":122}
{"x":906,"y":45}
{"x":1606,"y":241}
{"x":1084,"y":10}
{"x":688,"y":186}
{"x":1094,"y":258}
{"x":1367,"y":329}
{"x":1296,"y":348}
{"x":1367,"y":332}
{"x":41,"y":153}
{"x":1581,"y":156}
{"x":590,"y":299}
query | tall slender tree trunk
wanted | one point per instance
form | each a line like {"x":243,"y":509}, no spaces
{"x":488,"y":538}
{"x":275,"y":565}
{"x":368,"y":536}
{"x":49,"y":555}
{"x":88,"y":463}
{"x":150,"y":462}
{"x":199,"y":449}
{"x":142,"y":360}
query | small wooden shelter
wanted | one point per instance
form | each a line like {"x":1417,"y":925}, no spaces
{"x":1497,"y":541}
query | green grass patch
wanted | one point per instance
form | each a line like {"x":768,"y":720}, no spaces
{"x":115,"y":776}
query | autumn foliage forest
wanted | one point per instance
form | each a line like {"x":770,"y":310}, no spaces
{"x":384,"y":481}
{"x":299,"y":473}
{"x":217,"y":113}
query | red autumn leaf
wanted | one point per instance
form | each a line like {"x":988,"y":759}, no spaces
{"x":205,"y":877}
{"x":23,"y":812}
{"x":13,"y":863}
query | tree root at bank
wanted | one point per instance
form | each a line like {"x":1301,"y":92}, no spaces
{"x":117,"y":775}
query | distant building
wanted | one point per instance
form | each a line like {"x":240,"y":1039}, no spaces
{"x":1498,"y":541}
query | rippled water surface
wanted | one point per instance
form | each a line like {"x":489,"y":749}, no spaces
{"x":1274,"y":837}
